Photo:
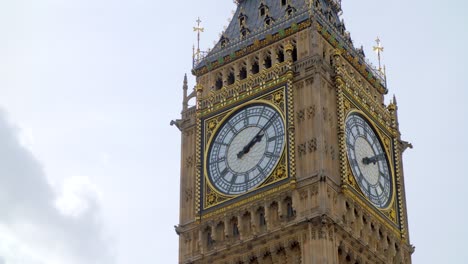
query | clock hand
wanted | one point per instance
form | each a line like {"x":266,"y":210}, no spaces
{"x":257,"y":138}
{"x":247,"y":148}
{"x":373,"y":160}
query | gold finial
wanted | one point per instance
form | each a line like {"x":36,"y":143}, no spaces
{"x":311,"y":4}
{"x":199,"y":30}
{"x":288,"y":47}
{"x":379,"y":49}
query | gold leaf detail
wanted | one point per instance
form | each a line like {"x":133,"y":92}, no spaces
{"x":280,"y":172}
{"x":212,"y":125}
{"x":278,"y":97}
{"x":211,"y":199}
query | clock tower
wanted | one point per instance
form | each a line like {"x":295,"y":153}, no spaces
{"x":290,"y":154}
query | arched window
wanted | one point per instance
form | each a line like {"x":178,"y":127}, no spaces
{"x":208,"y":237}
{"x":242,"y":20}
{"x":273,"y":213}
{"x":231,"y":78}
{"x":294,"y":53}
{"x":219,"y":82}
{"x":280,"y":55}
{"x":255,"y":68}
{"x":243,"y":73}
{"x":220,"y":231}
{"x":263,"y":9}
{"x":290,"y":10}
{"x":287,"y":203}
{"x":235,"y":227}
{"x":261,"y":217}
{"x":290,"y":210}
{"x":267,"y":62}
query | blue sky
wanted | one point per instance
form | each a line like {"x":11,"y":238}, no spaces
{"x":89,"y":164}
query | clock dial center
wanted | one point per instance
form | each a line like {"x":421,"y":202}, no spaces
{"x":251,"y":158}
{"x":363,"y":151}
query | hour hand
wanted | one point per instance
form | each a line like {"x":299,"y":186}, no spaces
{"x":373,"y":160}
{"x":247,"y":147}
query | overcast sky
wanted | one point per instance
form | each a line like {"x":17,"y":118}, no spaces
{"x":89,"y":166}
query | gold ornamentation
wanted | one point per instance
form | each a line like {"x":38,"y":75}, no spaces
{"x":370,"y":210}
{"x":212,"y":125}
{"x":248,"y":200}
{"x":393,"y":215}
{"x":256,"y":43}
{"x":252,"y":48}
{"x":199,"y":88}
{"x":278,"y":97}
{"x":352,"y":96}
{"x":243,"y":89}
{"x":212,"y":196}
{"x":280,"y":172}
{"x":288,"y":47}
{"x":347,"y":106}
{"x":211,"y":199}
{"x":351,"y":180}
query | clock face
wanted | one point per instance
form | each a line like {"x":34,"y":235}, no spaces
{"x":368,"y":161}
{"x":246,"y":149}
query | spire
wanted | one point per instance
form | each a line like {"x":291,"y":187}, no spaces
{"x":185,"y":87}
{"x":185,"y":99}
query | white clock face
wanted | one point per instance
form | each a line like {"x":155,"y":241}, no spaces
{"x":368,"y":161}
{"x":246,"y":149}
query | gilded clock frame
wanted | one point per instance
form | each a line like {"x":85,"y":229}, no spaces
{"x":352,"y":96}
{"x":389,"y":216}
{"x":210,"y":200}
{"x":385,"y":141}
{"x":278,"y":171}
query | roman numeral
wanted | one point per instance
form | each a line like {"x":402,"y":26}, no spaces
{"x":224,"y":172}
{"x":275,"y":137}
{"x":271,"y":155}
{"x":219,"y":160}
{"x":246,"y":118}
{"x":259,"y":117}
{"x":232,"y":127}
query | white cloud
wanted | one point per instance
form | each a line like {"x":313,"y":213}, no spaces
{"x":77,"y":196}
{"x":36,"y":227}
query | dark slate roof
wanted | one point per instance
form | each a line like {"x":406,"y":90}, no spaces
{"x":326,"y":13}
{"x":256,"y":25}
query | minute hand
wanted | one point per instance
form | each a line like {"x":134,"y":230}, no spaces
{"x":247,"y":148}
{"x":258,"y":137}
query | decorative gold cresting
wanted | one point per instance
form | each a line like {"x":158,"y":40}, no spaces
{"x":311,"y":4}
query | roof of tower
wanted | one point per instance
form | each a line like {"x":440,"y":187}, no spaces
{"x":250,"y":23}
{"x":256,"y":20}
